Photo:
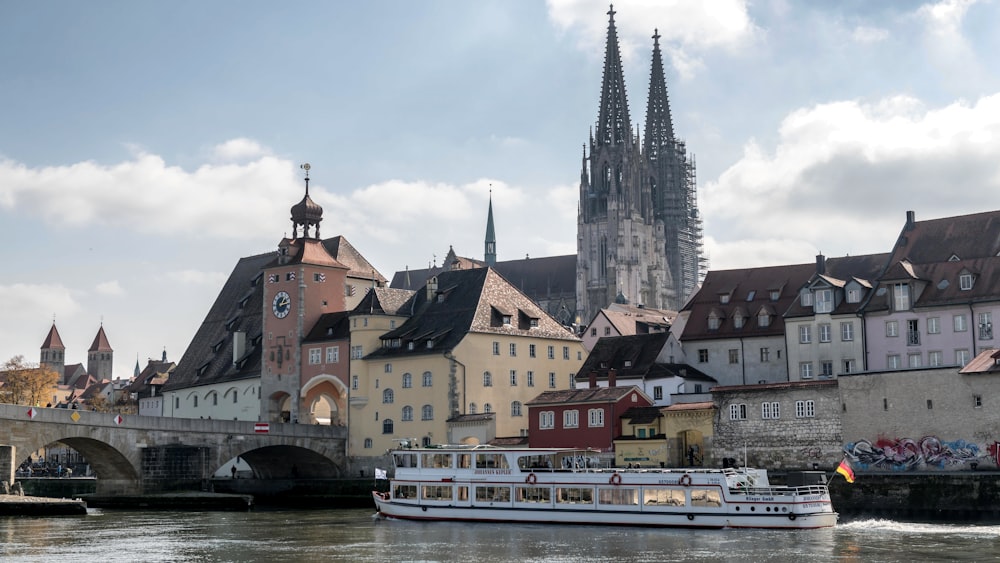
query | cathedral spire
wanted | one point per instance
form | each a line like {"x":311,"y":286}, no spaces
{"x":613,"y":123}
{"x":491,"y":237}
{"x":659,"y":125}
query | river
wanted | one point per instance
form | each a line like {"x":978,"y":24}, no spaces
{"x":354,"y":535}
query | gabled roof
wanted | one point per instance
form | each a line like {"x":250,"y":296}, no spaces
{"x":591,"y":395}
{"x":984,"y":362}
{"x":346,"y":254}
{"x":689,"y":406}
{"x":466,"y":301}
{"x":100,"y":343}
{"x":330,"y":326}
{"x":52,"y":340}
{"x":840,"y":272}
{"x":536,"y":277}
{"x":966,"y":237}
{"x":642,"y":415}
{"x":384,"y":301}
{"x":638,"y":350}
{"x":155,"y":373}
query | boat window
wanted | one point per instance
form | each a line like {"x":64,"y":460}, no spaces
{"x":574,"y":495}
{"x":436,"y":461}
{"x":534,"y":494}
{"x":465,"y":461}
{"x":405,"y":491}
{"x":663,"y":496}
{"x":405,"y":460}
{"x":436,"y":492}
{"x":533,"y":462}
{"x":463,"y":493}
{"x":618,"y":495}
{"x":493,"y":461}
{"x":705,"y":497}
{"x":492,"y":494}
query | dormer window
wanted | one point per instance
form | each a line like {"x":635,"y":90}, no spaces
{"x":724,"y":298}
{"x":824,"y":301}
{"x":806,"y":298}
{"x":751,"y":294}
{"x":506,"y":319}
{"x":854,"y":295}
{"x":965,"y":282}
{"x":628,"y":363}
{"x":763,"y":319}
{"x":901,"y":296}
{"x":774,"y":294}
{"x":533,"y":323}
{"x":714,"y":322}
{"x":738,"y":321}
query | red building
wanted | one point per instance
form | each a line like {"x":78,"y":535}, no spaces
{"x":581,"y":418}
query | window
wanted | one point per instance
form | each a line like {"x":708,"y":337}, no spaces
{"x":713,"y":322}
{"x":806,"y":298}
{"x":977,"y":401}
{"x":496,"y":348}
{"x":315,"y":355}
{"x":826,"y":368}
{"x":959,"y":322}
{"x":934,"y":358}
{"x":724,"y":298}
{"x":407,"y":413}
{"x":734,"y":356}
{"x":738,"y":412}
{"x":913,"y":360}
{"x":805,"y":409}
{"x":565,"y":352}
{"x":513,"y":349}
{"x":893,"y":361}
{"x":901,"y":296}
{"x":552,"y":352}
{"x":354,"y":382}
{"x":357,"y":352}
{"x":961,"y":357}
{"x":912,"y":332}
{"x":387,"y":426}
{"x":427,"y":412}
{"x":593,"y":332}
{"x":853,"y":295}
{"x":849,"y":366}
{"x":805,"y":370}
{"x":658,"y":393}
{"x":595,"y":418}
{"x":934,"y":325}
{"x":387,"y":396}
{"x":805,"y":334}
{"x":407,"y":381}
{"x":531,"y":378}
{"x":515,"y":408}
{"x":965,"y":282}
{"x":472,"y":408}
{"x":531,"y":350}
{"x":985,"y":326}
{"x":702,"y":355}
{"x":428,"y":379}
{"x":824,"y":332}
{"x":513,"y":378}
{"x":607,"y":331}
{"x":552,"y":380}
{"x":737,"y":321}
{"x":571,"y":419}
{"x":824,"y":301}
{"x":333,"y":355}
{"x":763,"y":319}
{"x":774,"y":294}
{"x":487,"y":379}
{"x":847,"y":331}
{"x":195,"y":401}
{"x":765,"y":354}
{"x":770,"y":411}
{"x":892,"y":328}
{"x":388,"y":368}
{"x":546,"y":420}
{"x":506,"y":319}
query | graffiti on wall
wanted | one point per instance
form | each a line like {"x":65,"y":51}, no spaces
{"x":907,"y":454}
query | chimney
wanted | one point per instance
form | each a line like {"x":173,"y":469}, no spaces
{"x":239,"y":345}
{"x":593,"y":380}
{"x":911,"y":218}
{"x":612,"y":377}
{"x":820,"y":264}
{"x":432,"y":287}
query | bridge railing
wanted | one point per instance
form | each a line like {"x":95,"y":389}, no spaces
{"x":214,"y":426}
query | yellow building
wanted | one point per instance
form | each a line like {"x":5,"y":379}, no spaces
{"x":468,"y":343}
{"x":673,"y":436}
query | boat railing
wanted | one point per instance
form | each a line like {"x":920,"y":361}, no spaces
{"x":804,"y":490}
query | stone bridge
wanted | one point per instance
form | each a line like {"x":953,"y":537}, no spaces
{"x":142,"y":454}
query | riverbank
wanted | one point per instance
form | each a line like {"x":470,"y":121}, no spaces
{"x":179,"y":500}
{"x":18,"y":505}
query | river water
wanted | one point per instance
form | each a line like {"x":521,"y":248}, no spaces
{"x":354,"y":535}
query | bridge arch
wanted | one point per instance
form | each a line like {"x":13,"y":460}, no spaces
{"x":324,"y":398}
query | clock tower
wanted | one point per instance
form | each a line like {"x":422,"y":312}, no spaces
{"x":301,"y":284}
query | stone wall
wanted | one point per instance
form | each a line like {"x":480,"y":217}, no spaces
{"x":173,"y":468}
{"x":8,"y":461}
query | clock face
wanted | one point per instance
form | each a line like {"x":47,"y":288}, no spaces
{"x":281,"y":305}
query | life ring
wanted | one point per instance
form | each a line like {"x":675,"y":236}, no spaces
{"x":791,"y":517}
{"x":532,"y":479}
{"x":615,"y":479}
{"x":690,"y":516}
{"x":685,"y":480}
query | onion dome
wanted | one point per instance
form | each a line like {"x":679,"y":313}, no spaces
{"x":306,"y":213}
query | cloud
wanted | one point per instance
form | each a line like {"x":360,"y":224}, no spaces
{"x":842,"y":175}
{"x":241,"y":149}
{"x":110,"y":288}
{"x":197,"y":278}
{"x":25,"y":302}
{"x":869,"y":35}
{"x":686,"y":27}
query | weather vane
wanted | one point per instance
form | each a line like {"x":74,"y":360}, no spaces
{"x":306,"y":167}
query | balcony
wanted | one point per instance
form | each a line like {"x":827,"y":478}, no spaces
{"x":912,"y":338}
{"x":986,"y":331}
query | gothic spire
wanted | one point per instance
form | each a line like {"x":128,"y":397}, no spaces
{"x":613,"y":123}
{"x":491,"y":237}
{"x":659,"y":125}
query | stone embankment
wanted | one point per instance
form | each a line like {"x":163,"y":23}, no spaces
{"x":19,"y":505}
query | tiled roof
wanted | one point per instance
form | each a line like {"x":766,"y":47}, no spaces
{"x":330,"y":326}
{"x":100,"y":343}
{"x":640,"y":350}
{"x":984,"y":362}
{"x":480,"y":417}
{"x":467,"y":301}
{"x":943,"y":286}
{"x":937,"y":240}
{"x":689,"y":406}
{"x":840,"y":272}
{"x":642,"y":415}
{"x":775,"y":386}
{"x":346,"y":254}
{"x":590,"y":395}
{"x":384,"y":301}
{"x":156,"y":372}
{"x":52,"y":340}
{"x":536,"y":277}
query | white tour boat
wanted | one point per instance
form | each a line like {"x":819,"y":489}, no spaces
{"x":493,"y":484}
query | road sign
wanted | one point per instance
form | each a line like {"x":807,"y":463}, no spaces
{"x":261,"y":428}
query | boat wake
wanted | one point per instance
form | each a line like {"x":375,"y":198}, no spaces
{"x":881,"y":526}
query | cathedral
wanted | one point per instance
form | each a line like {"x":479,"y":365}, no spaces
{"x":639,"y":236}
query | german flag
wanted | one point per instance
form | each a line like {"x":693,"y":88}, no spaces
{"x":845,"y":469}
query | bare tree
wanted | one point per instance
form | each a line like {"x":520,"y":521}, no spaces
{"x":26,"y":383}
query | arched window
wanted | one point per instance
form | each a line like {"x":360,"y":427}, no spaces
{"x":427,"y":412}
{"x":407,"y":413}
{"x":196,"y":401}
{"x":407,"y":381}
{"x":487,"y":379}
{"x":428,"y":379}
{"x":515,"y":408}
{"x":472,"y":408}
{"x":487,"y":408}
{"x":387,"y":396}
{"x":387,"y":426}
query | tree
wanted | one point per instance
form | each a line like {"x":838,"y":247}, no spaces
{"x":99,"y":403}
{"x":26,"y":383}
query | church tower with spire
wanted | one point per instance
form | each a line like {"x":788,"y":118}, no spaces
{"x":53,"y":354}
{"x":100,"y":357}
{"x":490,"y":252}
{"x":638,"y":229}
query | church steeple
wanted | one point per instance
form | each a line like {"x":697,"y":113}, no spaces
{"x":100,"y":356}
{"x":613,"y":122}
{"x":54,"y":352}
{"x":490,"y":256}
{"x":306,"y":213}
{"x":659,"y":124}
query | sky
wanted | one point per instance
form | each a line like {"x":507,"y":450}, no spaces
{"x":145,"y":147}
